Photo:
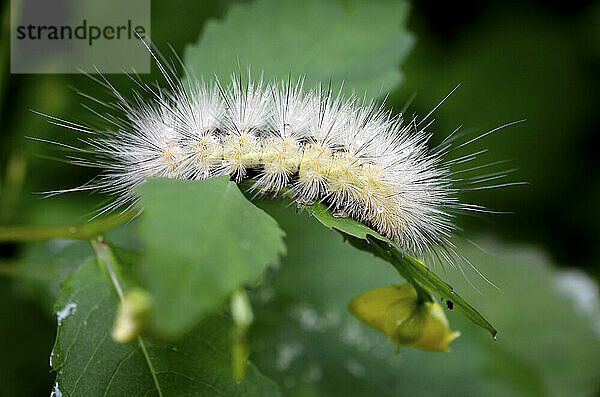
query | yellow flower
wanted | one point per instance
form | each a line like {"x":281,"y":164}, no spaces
{"x":396,"y":311}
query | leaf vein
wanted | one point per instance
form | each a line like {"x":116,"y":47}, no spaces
{"x":89,"y":361}
{"x":205,"y":384}
{"x":117,"y":370}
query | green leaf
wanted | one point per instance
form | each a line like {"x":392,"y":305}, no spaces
{"x":203,"y":239}
{"x":355,"y":42}
{"x":89,"y":363}
{"x":348,"y":226}
{"x":409,"y":268}
{"x":304,"y":337}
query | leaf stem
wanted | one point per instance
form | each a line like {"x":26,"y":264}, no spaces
{"x":106,"y":257}
{"x":422,"y":294}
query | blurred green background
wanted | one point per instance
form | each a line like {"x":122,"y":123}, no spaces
{"x":514,"y":60}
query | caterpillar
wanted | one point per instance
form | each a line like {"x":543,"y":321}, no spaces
{"x":362,"y":160}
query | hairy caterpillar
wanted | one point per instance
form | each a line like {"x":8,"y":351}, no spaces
{"x":350,"y":153}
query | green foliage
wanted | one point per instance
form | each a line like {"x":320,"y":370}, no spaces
{"x":306,"y":340}
{"x":361,"y":43}
{"x":202,"y":240}
{"x":303,"y":336}
{"x":89,"y":363}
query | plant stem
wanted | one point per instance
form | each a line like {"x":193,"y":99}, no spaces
{"x":422,"y":294}
{"x":83,"y":231}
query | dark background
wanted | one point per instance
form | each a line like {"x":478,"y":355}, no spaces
{"x":522,"y":60}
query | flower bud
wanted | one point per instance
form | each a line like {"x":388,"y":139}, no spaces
{"x":130,"y":316}
{"x":397,"y":312}
{"x":241,"y":313}
{"x":241,"y":310}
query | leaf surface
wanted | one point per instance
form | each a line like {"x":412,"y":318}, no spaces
{"x":202,"y":240}
{"x":355,"y":42}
